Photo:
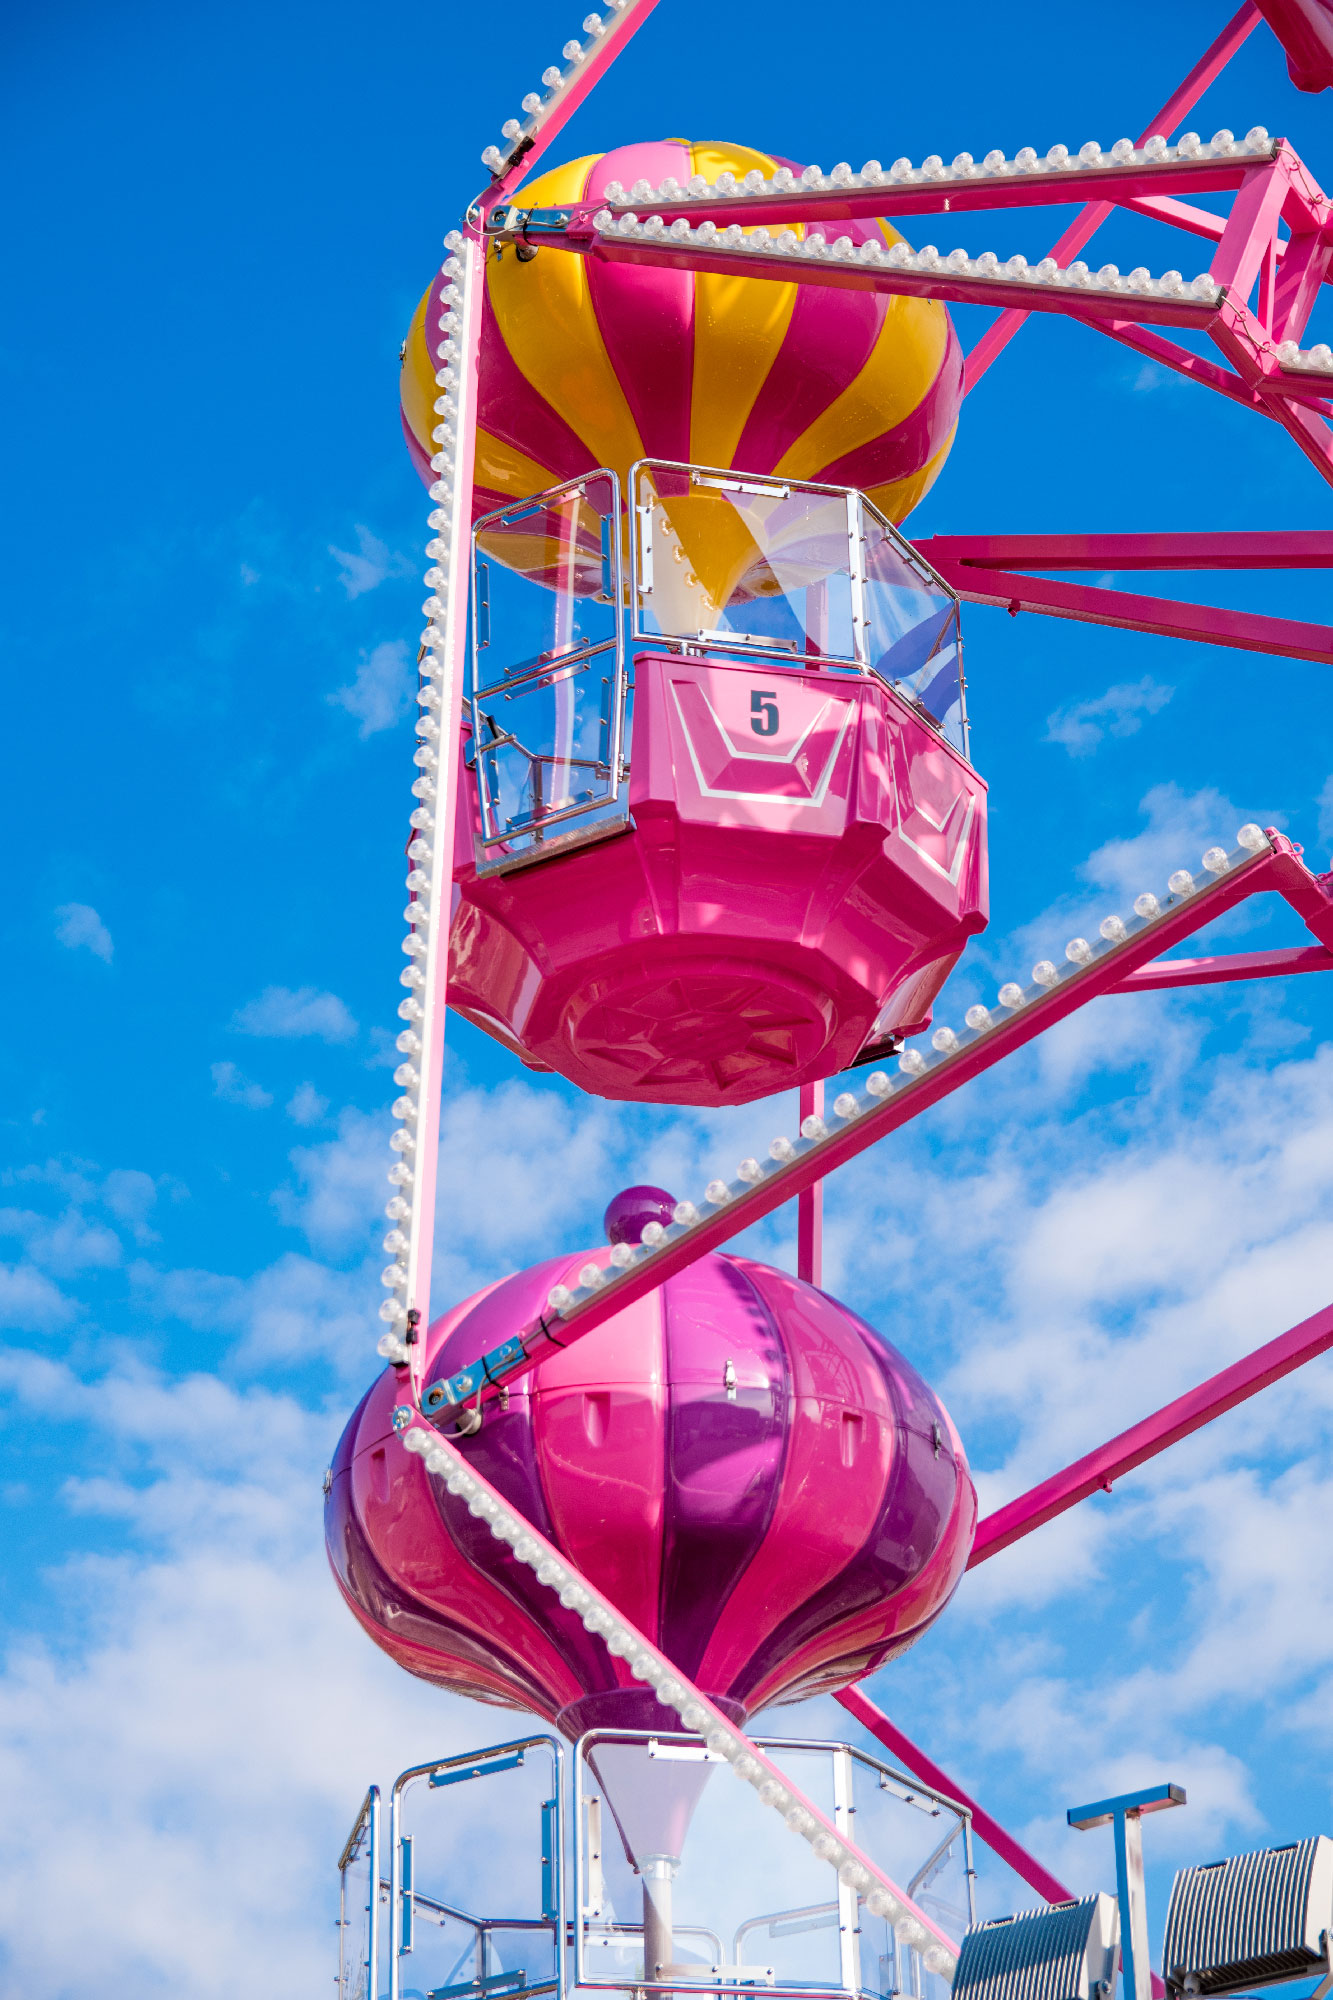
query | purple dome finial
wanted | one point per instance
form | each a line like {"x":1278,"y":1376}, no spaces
{"x":629,"y":1212}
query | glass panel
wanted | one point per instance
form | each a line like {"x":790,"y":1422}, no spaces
{"x":547,"y":752}
{"x":478,"y":1908}
{"x":743,"y":562}
{"x":356,"y":1905}
{"x":915,"y":642}
{"x":548,"y":691}
{"x":547,"y":577}
{"x":688,"y":1881}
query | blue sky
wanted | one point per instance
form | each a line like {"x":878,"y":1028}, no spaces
{"x":222,"y":224}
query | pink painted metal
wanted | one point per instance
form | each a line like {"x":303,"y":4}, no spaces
{"x":1305,"y":30}
{"x":768,"y":907}
{"x":1169,"y":972}
{"x":1098,"y":1469}
{"x":753,"y":1475}
{"x":1177,"y":107}
{"x":810,"y":1205}
{"x":1279,"y":869}
{"x":995,"y":1836}
{"x":1248,"y":257}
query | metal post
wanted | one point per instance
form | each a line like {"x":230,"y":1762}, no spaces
{"x":810,"y":1202}
{"x":1126,"y":1813}
{"x":849,"y":1925}
{"x":1136,"y":1976}
{"x":658,"y":1872}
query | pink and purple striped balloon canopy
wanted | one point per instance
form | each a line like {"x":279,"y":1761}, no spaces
{"x":754,"y":1476}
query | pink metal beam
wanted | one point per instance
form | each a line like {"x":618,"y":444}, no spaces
{"x":1097,"y":1471}
{"x":1279,"y":869}
{"x":996,"y":1838}
{"x":625,"y":22}
{"x":1168,"y":972}
{"x":1210,"y":65}
{"x":1305,"y":30}
{"x":1260,"y":548}
{"x":1167,"y":618}
{"x":810,"y":1205}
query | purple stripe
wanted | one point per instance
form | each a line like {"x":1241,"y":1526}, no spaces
{"x":400,"y":1615}
{"x":646,"y":317}
{"x":724,"y":1457}
{"x":914,"y":441}
{"x":918,"y":1501}
{"x":508,"y":1464}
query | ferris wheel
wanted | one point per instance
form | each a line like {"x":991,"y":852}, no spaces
{"x":696,"y":820}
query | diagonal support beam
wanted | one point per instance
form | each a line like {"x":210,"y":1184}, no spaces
{"x":888,"y":1102}
{"x":1170,"y":972}
{"x":995,"y":1836}
{"x":1179,"y":105}
{"x":1164,"y":617}
{"x":1097,"y":1470}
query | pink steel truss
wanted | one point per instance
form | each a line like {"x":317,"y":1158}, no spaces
{"x":1253,"y":304}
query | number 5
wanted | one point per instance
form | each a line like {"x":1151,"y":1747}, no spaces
{"x":764,"y":712}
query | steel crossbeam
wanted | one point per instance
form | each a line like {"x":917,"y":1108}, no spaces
{"x":1099,"y":1469}
{"x":793,"y":1168}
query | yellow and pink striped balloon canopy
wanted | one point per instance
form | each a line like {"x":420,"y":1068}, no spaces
{"x":585,"y":363}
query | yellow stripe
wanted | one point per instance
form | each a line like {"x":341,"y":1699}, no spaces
{"x":898,"y":496}
{"x":505,"y":470}
{"x":898,"y":374}
{"x":417,"y":382}
{"x":739,"y":325}
{"x":545,"y":315}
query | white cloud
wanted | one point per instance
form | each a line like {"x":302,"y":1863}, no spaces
{"x":1119,"y":712}
{"x":130,"y":1195}
{"x":381,"y":692}
{"x":288,"y":1014}
{"x":305,"y":1106}
{"x":79,"y":927}
{"x":29,"y":1300}
{"x":1325,"y":805}
{"x":369,"y":566}
{"x":234,"y":1087}
{"x":229,"y":1705}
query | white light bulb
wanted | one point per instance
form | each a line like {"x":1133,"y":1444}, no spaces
{"x":911,"y":1062}
{"x":1113,"y":930}
{"x":394,"y":1242}
{"x":1044,"y":973}
{"x":717,"y":1192}
{"x":978,"y":1018}
{"x":652,"y":1234}
{"x":945,"y":1040}
{"x":1011,"y":994}
{"x":559,"y":1297}
{"x":1252,"y":838}
{"x":1147,"y":905}
{"x":782,"y":1150}
{"x":750,"y":1170}
{"x":685,"y":1213}
{"x":844,"y":1105}
{"x":592,"y":1278}
{"x":813,"y":1128}
{"x":398,"y":1210}
{"x":1215,"y":861}
{"x":1181,"y":882}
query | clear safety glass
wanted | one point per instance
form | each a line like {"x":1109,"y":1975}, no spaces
{"x":687,"y":1882}
{"x":547,"y":693}
{"x":477,"y":1908}
{"x":724,"y":559}
{"x":914,"y":639}
{"x":359,"y":1899}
